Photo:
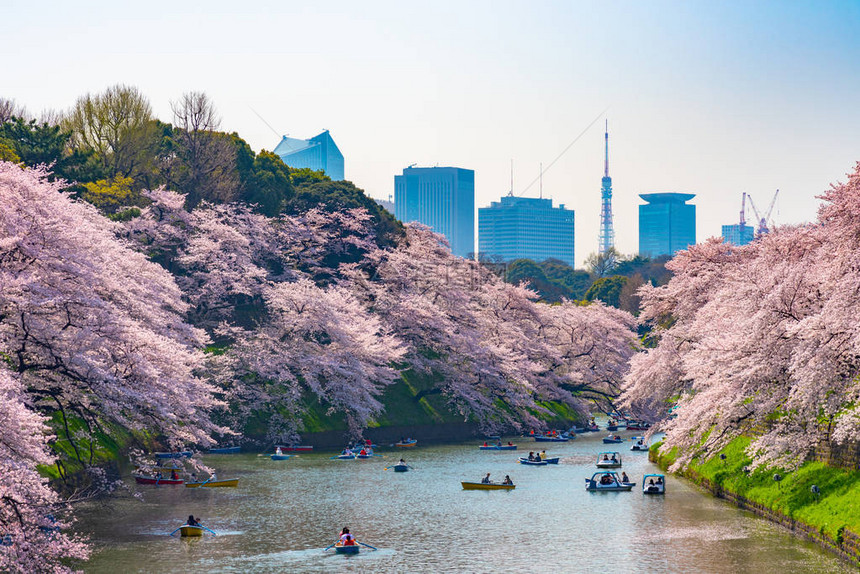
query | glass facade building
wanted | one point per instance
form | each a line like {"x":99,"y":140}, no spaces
{"x":525,"y":227}
{"x":442,"y":198}
{"x":318,"y":153}
{"x":667,"y":223}
{"x":738,"y":234}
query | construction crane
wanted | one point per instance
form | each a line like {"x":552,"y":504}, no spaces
{"x":762,"y":221}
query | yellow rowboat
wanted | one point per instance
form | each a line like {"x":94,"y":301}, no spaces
{"x":190,"y":531}
{"x":487,"y":486}
{"x":213,"y":483}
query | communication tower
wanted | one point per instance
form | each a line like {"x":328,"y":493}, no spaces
{"x":606,"y":239}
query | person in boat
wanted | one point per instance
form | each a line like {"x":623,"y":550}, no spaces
{"x":542,"y":455}
{"x":486,"y":479}
{"x":192,"y":521}
{"x":614,"y":458}
{"x":485,"y":443}
{"x":402,"y":461}
{"x":510,"y":443}
{"x":278,"y":451}
{"x":659,"y":480}
{"x":367,"y":442}
{"x":605,"y":479}
{"x":346,"y":539}
{"x":624,"y":477}
{"x":606,"y":457}
{"x":650,"y":482}
{"x":531,"y":455}
{"x":537,"y":457}
{"x":362,"y":452}
{"x":508,"y":480}
{"x":173,"y":475}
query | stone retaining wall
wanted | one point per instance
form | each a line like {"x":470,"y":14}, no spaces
{"x":846,"y":455}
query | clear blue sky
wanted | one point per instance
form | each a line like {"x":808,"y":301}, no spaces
{"x":711,"y":98}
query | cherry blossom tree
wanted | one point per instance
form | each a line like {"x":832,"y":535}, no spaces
{"x":760,"y":339}
{"x":31,"y":527}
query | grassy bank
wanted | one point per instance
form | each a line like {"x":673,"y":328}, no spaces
{"x":830,"y":513}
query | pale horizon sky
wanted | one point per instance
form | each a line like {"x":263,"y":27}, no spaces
{"x":710,"y":98}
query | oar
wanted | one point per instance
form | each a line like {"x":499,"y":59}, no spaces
{"x":335,"y":542}
{"x":212,"y":531}
{"x":368,"y":545}
{"x":175,"y":531}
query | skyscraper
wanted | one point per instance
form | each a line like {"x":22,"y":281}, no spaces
{"x":442,"y":198}
{"x":738,"y":234}
{"x":667,"y":223}
{"x":606,"y":240}
{"x":526,"y":227}
{"x":319,"y":152}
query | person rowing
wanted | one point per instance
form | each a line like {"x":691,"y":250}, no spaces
{"x":508,"y":480}
{"x":346,"y":539}
{"x":486,"y":479}
{"x":192,"y":521}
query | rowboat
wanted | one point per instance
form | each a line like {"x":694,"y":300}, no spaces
{"x":295,"y":448}
{"x":638,"y":425}
{"x":498,"y":447}
{"x":653,"y":484}
{"x":146,"y":479}
{"x":406,"y":443}
{"x":345,"y":456}
{"x":400,"y":467}
{"x":279,"y":456}
{"x":524,"y":460}
{"x":227,"y":482}
{"x":351,"y":549}
{"x":226,"y":450}
{"x":607,"y":481}
{"x":186,"y":530}
{"x":612,"y":439}
{"x":180,"y":454}
{"x":609,"y":460}
{"x":639,"y":444}
{"x":487,"y":486}
{"x":550,"y":439}
{"x":367,"y":454}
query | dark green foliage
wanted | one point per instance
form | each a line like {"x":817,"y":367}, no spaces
{"x":576,"y":281}
{"x":269,"y":186}
{"x":607,"y":289}
{"x":43,"y":144}
{"x":526,"y":270}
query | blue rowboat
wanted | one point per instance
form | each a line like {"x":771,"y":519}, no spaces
{"x":279,"y":456}
{"x":352,"y":549}
{"x":550,"y":439}
{"x":226,"y":450}
{"x":612,"y":439}
{"x":497,"y":447}
{"x":533,"y":462}
{"x":400,"y":467}
{"x":181,"y":454}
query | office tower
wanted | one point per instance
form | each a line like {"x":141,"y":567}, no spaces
{"x":319,"y":152}
{"x":525,"y":227}
{"x":606,"y":240}
{"x":666,"y":223}
{"x":738,"y":234}
{"x":442,"y":198}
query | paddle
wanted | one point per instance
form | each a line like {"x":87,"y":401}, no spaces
{"x":335,"y":542}
{"x":368,"y":545}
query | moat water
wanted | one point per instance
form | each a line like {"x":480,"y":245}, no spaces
{"x":284,"y":513}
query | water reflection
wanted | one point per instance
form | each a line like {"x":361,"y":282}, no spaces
{"x":284,"y":514}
